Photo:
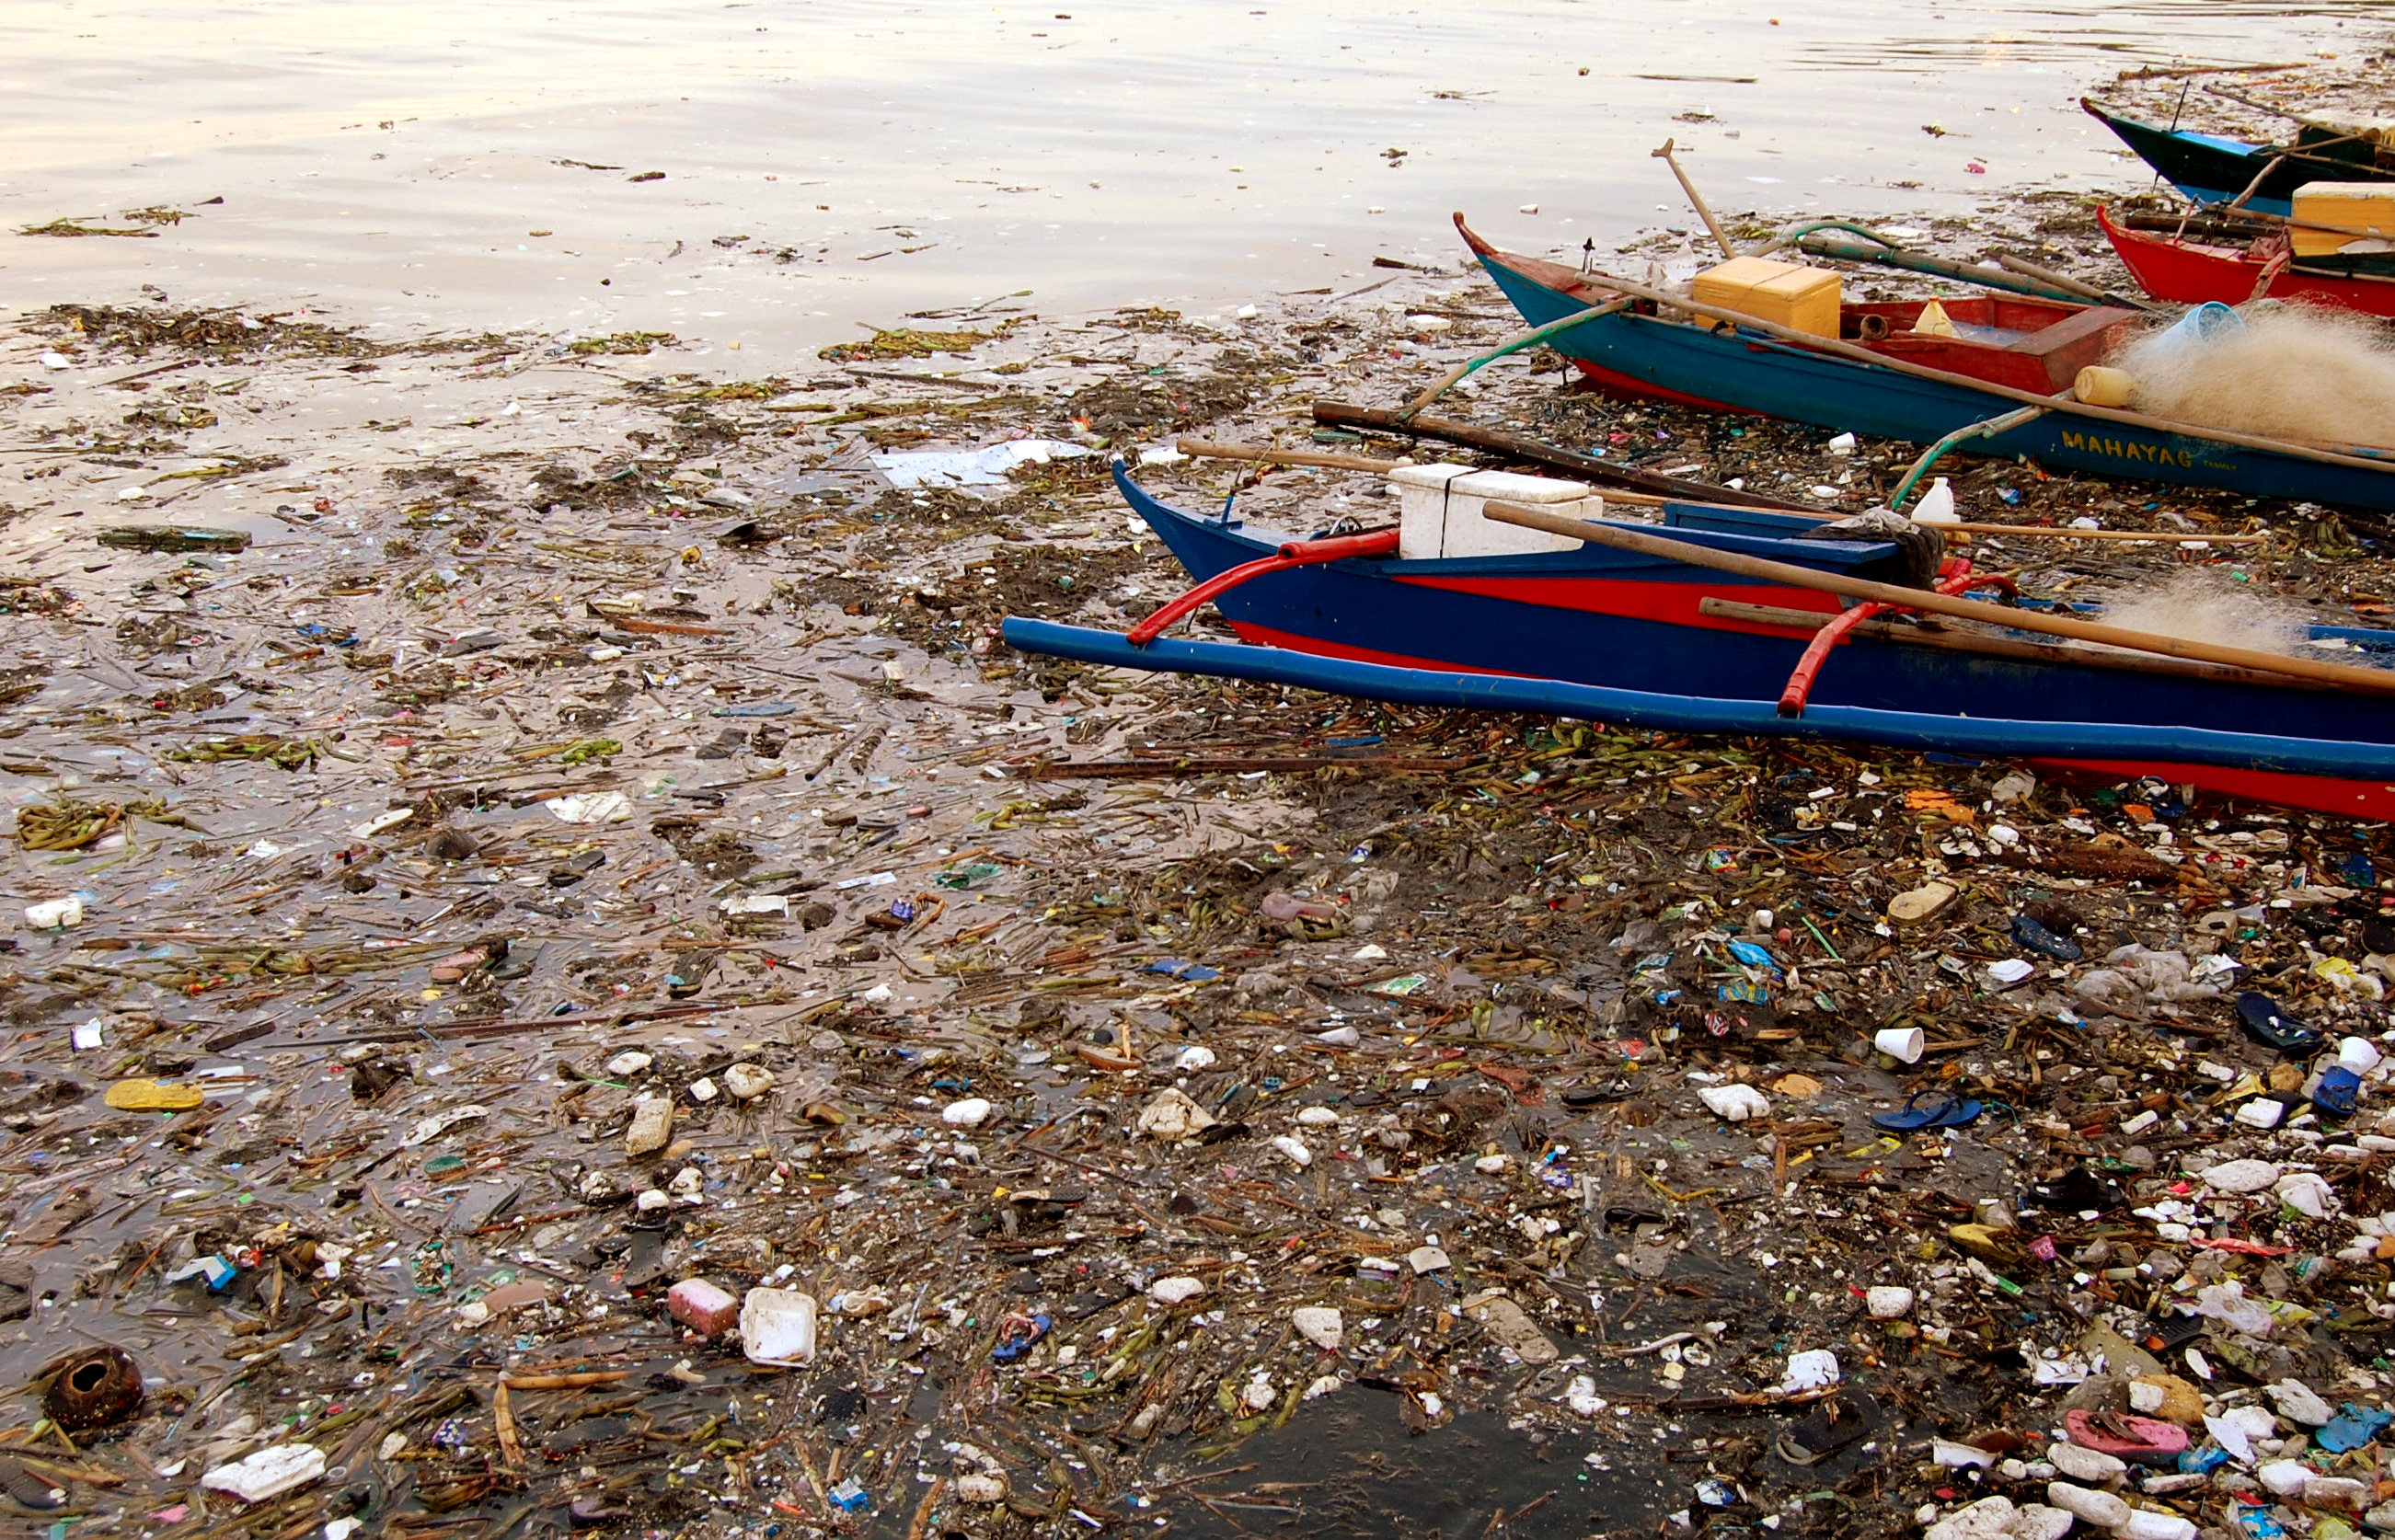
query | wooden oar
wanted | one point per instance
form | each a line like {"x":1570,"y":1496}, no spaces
{"x":2370,"y":681}
{"x":2031,"y":532}
{"x":1810,"y":343}
{"x":1206,"y":450}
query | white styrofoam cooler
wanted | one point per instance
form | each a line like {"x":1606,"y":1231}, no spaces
{"x":1439,"y":511}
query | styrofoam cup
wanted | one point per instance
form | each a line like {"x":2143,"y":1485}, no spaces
{"x":1902,"y":1042}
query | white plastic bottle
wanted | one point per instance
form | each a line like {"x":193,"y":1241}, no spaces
{"x":1936,"y":504}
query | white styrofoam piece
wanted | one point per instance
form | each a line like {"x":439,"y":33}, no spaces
{"x":1439,"y":511}
{"x":1427,"y":476}
{"x":1511,"y":487}
{"x":1468,"y":534}
{"x":777,"y":1326}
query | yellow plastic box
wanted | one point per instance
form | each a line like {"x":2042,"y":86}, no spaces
{"x":1788,"y":294}
{"x":2365,"y":209}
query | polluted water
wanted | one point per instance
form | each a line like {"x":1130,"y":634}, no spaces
{"x":561,"y":977}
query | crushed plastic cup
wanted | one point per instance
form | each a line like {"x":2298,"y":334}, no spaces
{"x":590,"y":808}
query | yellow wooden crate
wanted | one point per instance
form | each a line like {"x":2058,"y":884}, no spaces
{"x":1785,"y":292}
{"x":2365,"y":209}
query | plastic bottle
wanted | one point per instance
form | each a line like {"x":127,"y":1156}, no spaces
{"x":1936,"y":504}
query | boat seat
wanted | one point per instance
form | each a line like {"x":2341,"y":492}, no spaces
{"x":2073,"y":342}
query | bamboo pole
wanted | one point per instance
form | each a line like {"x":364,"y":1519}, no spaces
{"x":1521,"y":446}
{"x":1696,"y":198}
{"x":1514,"y":344}
{"x":1921,"y":371}
{"x":2368,"y":680}
{"x":2069,"y":284}
{"x":1204,"y":449}
{"x":1823,"y":243}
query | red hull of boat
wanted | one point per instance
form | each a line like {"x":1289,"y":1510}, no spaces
{"x":2186,"y":274}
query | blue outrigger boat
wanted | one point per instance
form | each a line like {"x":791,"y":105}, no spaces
{"x":2032,"y":348}
{"x":1610,"y":636}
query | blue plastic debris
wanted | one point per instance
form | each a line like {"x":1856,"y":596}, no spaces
{"x":2336,"y":1091}
{"x":1752,"y":956}
{"x":213,"y":1270}
{"x":1196,"y":973}
{"x":2353,"y":1428}
{"x":1017,"y":1334}
{"x":849,"y":1497}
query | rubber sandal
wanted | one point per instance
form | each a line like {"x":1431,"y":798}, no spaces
{"x":2037,"y":938}
{"x":2149,"y":1440}
{"x":1958,"y":1114}
{"x":1836,"y":1422}
{"x":2265,"y":1023}
{"x":29,"y":1489}
{"x":1946,"y":1113}
{"x":1913,"y":1117}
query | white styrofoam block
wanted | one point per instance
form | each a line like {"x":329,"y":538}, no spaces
{"x":1422,"y":508}
{"x":1468,"y":534}
{"x":1510,"y":487}
{"x":1439,"y":511}
{"x":1432,"y":476}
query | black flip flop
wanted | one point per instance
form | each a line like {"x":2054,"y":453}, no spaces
{"x":29,"y":1489}
{"x":1836,"y":1422}
{"x":2266,"y":1023}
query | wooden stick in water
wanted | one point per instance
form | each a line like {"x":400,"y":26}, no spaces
{"x":2373,"y":682}
{"x":1204,"y":449}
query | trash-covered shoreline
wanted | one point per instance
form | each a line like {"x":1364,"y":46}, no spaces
{"x":536,"y":887}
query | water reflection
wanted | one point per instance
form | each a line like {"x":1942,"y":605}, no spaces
{"x":470,"y":165}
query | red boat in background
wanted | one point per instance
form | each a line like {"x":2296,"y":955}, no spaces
{"x":2189,"y":273}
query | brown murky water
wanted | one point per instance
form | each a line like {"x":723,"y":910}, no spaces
{"x":471,"y":166}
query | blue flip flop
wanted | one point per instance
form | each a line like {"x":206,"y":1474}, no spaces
{"x":1945,"y":1113}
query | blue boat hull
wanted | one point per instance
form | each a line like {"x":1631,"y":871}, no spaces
{"x":1618,"y":637}
{"x":2171,"y":750}
{"x":1747,"y":372}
